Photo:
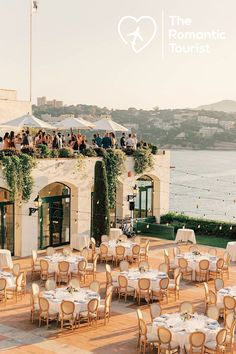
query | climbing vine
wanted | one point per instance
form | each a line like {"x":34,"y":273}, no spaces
{"x":143,"y":160}
{"x":114,"y":162}
{"x":17,"y":171}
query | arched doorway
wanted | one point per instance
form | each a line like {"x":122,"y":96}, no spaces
{"x":6,"y":221}
{"x":144,"y":198}
{"x":54,"y":215}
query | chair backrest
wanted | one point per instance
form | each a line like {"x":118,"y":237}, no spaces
{"x":34,"y":256}
{"x":147,"y":246}
{"x":124,"y":266}
{"x":221,"y":337}
{"x":67,"y":307}
{"x":176,"y":250}
{"x":103,"y":249}
{"x":167,"y":260}
{"x":104,"y":238}
{"x":212,"y":251}
{"x":193,"y":248}
{"x":144,"y":264}
{"x":229,"y":319}
{"x":220,"y":263}
{"x":183,"y":264}
{"x":177,"y":281}
{"x":197,"y":340}
{"x":122,"y":281}
{"x":164,"y":335}
{"x":94,"y":286}
{"x":50,"y":251}
{"x":82,"y":265}
{"x":108,"y":299}
{"x":204,"y":264}
{"x":19,"y":279}
{"x":85,"y":253}
{"x":74,"y":282}
{"x":135,"y":250}
{"x":163,"y":267}
{"x":213,"y":312}
{"x":155,"y":310}
{"x":92,"y":305}
{"x":95,"y":259}
{"x":219,"y":284}
{"x":108,"y":278}
{"x":142,"y":328}
{"x":120,"y":250}
{"x":139,"y":314}
{"x":93,"y":243}
{"x":63,"y":267}
{"x":35,"y":289}
{"x":186,"y":307}
{"x":109,"y":290}
{"x":144,"y":284}
{"x":44,"y":265}
{"x":164,"y":283}
{"x":206,"y":288}
{"x":226,"y":258}
{"x":176,"y":272}
{"x":16,"y":269}
{"x":212,"y":297}
{"x":43,"y":304}
{"x":229,"y":303}
{"x":3,"y":284}
{"x":50,"y":284}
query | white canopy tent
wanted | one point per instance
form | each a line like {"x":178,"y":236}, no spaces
{"x":109,"y":125}
{"x":74,"y":123}
{"x":28,"y":120}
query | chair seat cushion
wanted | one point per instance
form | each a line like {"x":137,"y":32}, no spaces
{"x":211,"y":345}
{"x":172,"y":286}
{"x":173,"y":345}
{"x":89,"y":266}
{"x":194,"y":350}
{"x":152,"y":337}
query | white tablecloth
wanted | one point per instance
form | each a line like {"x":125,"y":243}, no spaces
{"x":231,"y":248}
{"x":5,"y":259}
{"x":193,"y":261}
{"x":133,"y":275}
{"x":185,"y":235}
{"x":230,"y":291}
{"x":11,"y":280}
{"x":181,"y":329}
{"x":112,"y":247}
{"x":115,"y":233}
{"x":81,"y":297}
{"x":58,"y":257}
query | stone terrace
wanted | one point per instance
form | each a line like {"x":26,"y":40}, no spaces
{"x":18,"y":335}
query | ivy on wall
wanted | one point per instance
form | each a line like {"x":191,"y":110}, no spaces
{"x":17,"y":171}
{"x":143,"y":160}
{"x":114,"y":163}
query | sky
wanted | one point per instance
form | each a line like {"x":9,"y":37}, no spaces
{"x":79,"y":56}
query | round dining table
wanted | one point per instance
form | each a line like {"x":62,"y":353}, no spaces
{"x":112,"y":244}
{"x":115,"y":233}
{"x":181,"y":327}
{"x":230,"y":291}
{"x":80,"y":297}
{"x":59,"y":257}
{"x":194,"y":260}
{"x":11,"y":280}
{"x":231,"y":249}
{"x":185,"y":235}
{"x":5,"y":259}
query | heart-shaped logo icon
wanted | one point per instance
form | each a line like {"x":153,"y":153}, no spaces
{"x":138,"y":32}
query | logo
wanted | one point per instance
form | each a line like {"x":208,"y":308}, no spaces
{"x":137,"y":32}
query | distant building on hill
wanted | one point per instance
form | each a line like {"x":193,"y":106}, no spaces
{"x":42,"y":101}
{"x":207,"y":120}
{"x":227,"y":124}
{"x":11,"y":107}
{"x":209,"y":131}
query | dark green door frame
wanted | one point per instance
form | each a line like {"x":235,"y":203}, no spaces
{"x":2,"y":240}
{"x":144,"y":190}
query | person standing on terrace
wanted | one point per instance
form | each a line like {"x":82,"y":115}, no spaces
{"x":106,"y":141}
{"x":123,"y":141}
{"x":98,"y":140}
{"x":6,"y":141}
{"x":130,"y":142}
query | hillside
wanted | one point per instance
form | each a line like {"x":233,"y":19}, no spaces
{"x":222,"y":106}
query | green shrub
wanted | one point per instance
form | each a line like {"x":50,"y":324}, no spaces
{"x":143,"y":160}
{"x":89,"y":152}
{"x":54,"y":153}
{"x":101,"y":217}
{"x":9,"y":152}
{"x":101,"y":152}
{"x":43,"y":150}
{"x":65,"y":152}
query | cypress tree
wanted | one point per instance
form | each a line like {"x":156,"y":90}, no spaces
{"x":101,"y":215}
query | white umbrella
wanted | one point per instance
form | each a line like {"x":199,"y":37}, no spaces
{"x":89,"y":124}
{"x":28,"y":120}
{"x":74,"y":123}
{"x":109,"y":125}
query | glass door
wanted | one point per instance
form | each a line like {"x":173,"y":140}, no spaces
{"x":7,"y":226}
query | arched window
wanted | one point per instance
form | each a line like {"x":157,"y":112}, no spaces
{"x":144,"y":198}
{"x":54,"y":215}
{"x":6,"y":221}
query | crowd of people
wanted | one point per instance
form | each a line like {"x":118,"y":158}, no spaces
{"x":57,"y":140}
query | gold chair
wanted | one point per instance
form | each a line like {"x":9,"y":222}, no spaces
{"x":95,"y":286}
{"x":218,"y":272}
{"x":50,"y":284}
{"x":111,"y":282}
{"x":163,"y":267}
{"x":226,"y":266}
{"x":203,"y":273}
{"x":124,"y":266}
{"x":91,"y":315}
{"x":16,"y":269}
{"x":45,"y":272}
{"x":85,"y":253}
{"x":230,"y":327}
{"x":144,"y":290}
{"x":81,"y":271}
{"x":196,"y":343}
{"x":3,"y":293}
{"x":218,"y":284}
{"x":217,"y":346}
{"x":145,"y":339}
{"x":213,"y":312}
{"x":16,"y":289}
{"x":229,"y":305}
{"x":134,"y":257}
{"x":185,"y":270}
{"x":91,"y":268}
{"x":64,"y":274}
{"x":124,"y":289}
{"x":176,"y":251}
{"x":119,"y":254}
{"x":170,"y":264}
{"x":35,"y":264}
{"x":186,"y":307}
{"x":104,"y":309}
{"x":174,"y":287}
{"x":50,"y":251}
{"x":67,"y":314}
{"x":45,"y":314}
{"x":34,"y":307}
{"x":155,"y":310}
{"x":163,"y":290}
{"x":165,"y":343}
{"x":104,"y":254}
{"x":143,"y":255}
{"x":144,"y":265}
